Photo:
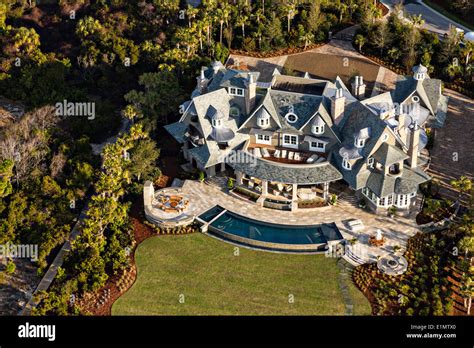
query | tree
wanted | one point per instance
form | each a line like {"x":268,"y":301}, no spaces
{"x":143,"y":159}
{"x":417,"y":20}
{"x":463,"y":185}
{"x":291,"y":12}
{"x":242,"y":19}
{"x":360,"y":41}
{"x":466,"y":244}
{"x":307,"y":38}
{"x":6,"y":173}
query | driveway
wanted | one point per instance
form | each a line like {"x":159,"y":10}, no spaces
{"x":434,"y":21}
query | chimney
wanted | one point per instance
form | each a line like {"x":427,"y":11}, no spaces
{"x":413,"y":148}
{"x":202,"y":82}
{"x":250,"y":93}
{"x":402,"y":129}
{"x":358,"y":87}
{"x":337,"y":106}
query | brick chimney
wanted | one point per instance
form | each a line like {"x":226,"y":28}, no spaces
{"x":413,"y":147}
{"x":250,"y":93}
{"x":337,"y":106}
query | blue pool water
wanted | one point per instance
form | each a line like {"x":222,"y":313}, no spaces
{"x":211,"y":213}
{"x":273,"y":233}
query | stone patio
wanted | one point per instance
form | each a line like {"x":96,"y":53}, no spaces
{"x":396,"y":231}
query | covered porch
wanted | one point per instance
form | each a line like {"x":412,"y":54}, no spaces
{"x":287,"y":186}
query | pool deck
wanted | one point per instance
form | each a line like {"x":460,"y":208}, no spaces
{"x":396,"y":231}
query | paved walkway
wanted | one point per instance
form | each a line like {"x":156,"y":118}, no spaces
{"x":337,"y":58}
{"x":434,"y":21}
{"x":452,"y":155}
{"x":396,"y":231}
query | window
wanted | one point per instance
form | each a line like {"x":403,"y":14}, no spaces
{"x":317,"y":146}
{"x":290,"y":141}
{"x":236,"y":91}
{"x":370,"y":162}
{"x":390,"y":200}
{"x":365,"y":191}
{"x":263,"y":139}
{"x":346,"y":164}
{"x":216,"y":122}
{"x":359,"y":142}
{"x":317,"y":129}
{"x":402,"y":200}
{"x":263,"y":122}
{"x":382,"y":201}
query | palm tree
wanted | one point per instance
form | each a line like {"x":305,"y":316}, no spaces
{"x":468,"y":51}
{"x":241,"y":21}
{"x":360,"y":41}
{"x":307,"y":38}
{"x":223,"y":13}
{"x":342,"y":10}
{"x":191,"y":12}
{"x":417,"y":20}
{"x":463,"y":185}
{"x":452,"y":70}
{"x":291,"y":12}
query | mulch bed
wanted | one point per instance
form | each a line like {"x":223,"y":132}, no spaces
{"x":277,"y":53}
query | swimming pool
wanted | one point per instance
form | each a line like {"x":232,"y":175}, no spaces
{"x":241,"y":229}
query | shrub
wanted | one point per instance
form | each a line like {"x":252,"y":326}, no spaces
{"x":230,"y":183}
{"x":11,"y":267}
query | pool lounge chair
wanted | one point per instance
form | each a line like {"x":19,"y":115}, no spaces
{"x":312,"y":159}
{"x":320,"y":159}
{"x":283,"y":153}
{"x":265,"y":152}
{"x":291,"y":155}
{"x":257,"y":152}
{"x":297,"y":156}
{"x":277,"y":154}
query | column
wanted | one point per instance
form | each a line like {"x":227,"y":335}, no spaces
{"x":238,"y":176}
{"x":264,"y":187}
{"x":222,"y":166}
{"x":325,"y":190}
{"x":294,"y":198}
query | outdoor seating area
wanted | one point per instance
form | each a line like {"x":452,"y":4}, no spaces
{"x":377,"y":240}
{"x":285,"y":155}
{"x":170,"y":203}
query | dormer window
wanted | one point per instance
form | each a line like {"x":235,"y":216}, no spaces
{"x":346,"y":164}
{"x":263,"y":118}
{"x":239,"y":92}
{"x":370,"y":162}
{"x":216,"y":122}
{"x":359,"y":143}
{"x":317,"y":129}
{"x":263,"y":122}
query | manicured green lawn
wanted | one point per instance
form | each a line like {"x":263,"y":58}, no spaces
{"x":216,"y":282}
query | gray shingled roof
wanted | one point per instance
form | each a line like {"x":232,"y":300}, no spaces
{"x":383,"y":185}
{"x":289,"y":174}
{"x":389,"y":154}
{"x":304,"y":106}
{"x":177,"y":130}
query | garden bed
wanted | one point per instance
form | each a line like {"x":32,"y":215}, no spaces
{"x":245,"y":193}
{"x":426,"y":288}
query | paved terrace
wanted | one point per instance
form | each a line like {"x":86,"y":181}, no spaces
{"x":204,"y":196}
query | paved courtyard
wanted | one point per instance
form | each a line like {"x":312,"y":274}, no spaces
{"x":452,"y":155}
{"x":396,"y":231}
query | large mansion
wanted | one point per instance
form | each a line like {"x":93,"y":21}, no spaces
{"x":287,"y":140}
